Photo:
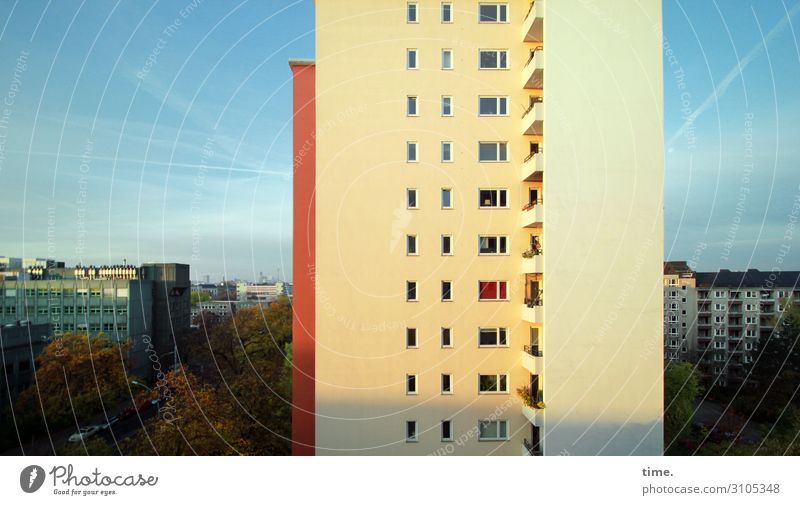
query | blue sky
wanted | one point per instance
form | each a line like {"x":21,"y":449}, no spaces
{"x":161,"y":131}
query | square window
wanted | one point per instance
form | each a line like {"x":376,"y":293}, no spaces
{"x":447,"y":245}
{"x":447,"y":198}
{"x":493,"y":430}
{"x":411,"y":198}
{"x":411,"y":106}
{"x":447,"y":12}
{"x":447,"y":59}
{"x":447,"y":291}
{"x":447,"y":152}
{"x":492,"y":244}
{"x":493,"y":337}
{"x":493,"y":13}
{"x":411,"y":384}
{"x":411,"y":431}
{"x":411,"y":291}
{"x":493,"y":383}
{"x":411,"y":59}
{"x":447,"y":431}
{"x":493,"y":106}
{"x":492,"y":198}
{"x":411,"y":245}
{"x":489,"y":152}
{"x":447,"y":337}
{"x":492,"y":290}
{"x":493,"y":59}
{"x":411,"y":338}
{"x":447,"y":384}
{"x":411,"y":12}
{"x":447,"y":106}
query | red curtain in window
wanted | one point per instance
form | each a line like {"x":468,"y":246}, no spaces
{"x":488,"y":290}
{"x":502,"y":290}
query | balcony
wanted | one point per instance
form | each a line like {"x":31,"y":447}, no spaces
{"x":533,"y":118}
{"x":532,"y":310}
{"x":532,"y":362}
{"x":533,"y":264}
{"x":534,"y":416}
{"x":532,"y":27}
{"x":533,"y":167}
{"x":533,"y":215}
{"x":533,"y":72}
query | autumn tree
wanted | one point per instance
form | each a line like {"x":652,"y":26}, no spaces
{"x":681,"y":387}
{"x":76,"y":377}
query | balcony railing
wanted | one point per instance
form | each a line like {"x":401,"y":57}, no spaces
{"x":534,"y":301}
{"x":528,"y":206}
{"x":535,"y":101}
{"x":533,"y":450}
{"x":533,"y":350}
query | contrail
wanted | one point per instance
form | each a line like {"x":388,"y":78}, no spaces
{"x":734,"y":72}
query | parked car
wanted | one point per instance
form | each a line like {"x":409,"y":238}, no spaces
{"x":84,"y":433}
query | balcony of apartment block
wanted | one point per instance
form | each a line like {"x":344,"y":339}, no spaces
{"x":533,"y":167}
{"x":532,"y":309}
{"x":532,"y":359}
{"x":532,"y":262}
{"x":532,"y":28}
{"x":533,"y":71}
{"x":533,"y":214}
{"x":533,"y":118}
{"x":704,"y":322}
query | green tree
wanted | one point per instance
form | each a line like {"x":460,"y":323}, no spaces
{"x":200,"y":296}
{"x":681,"y":388}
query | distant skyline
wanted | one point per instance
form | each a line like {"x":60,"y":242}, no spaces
{"x":161,"y":131}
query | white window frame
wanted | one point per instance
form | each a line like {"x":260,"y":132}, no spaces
{"x":450,"y":151}
{"x":450,"y":192}
{"x":441,"y":383}
{"x":409,"y":392}
{"x":498,"y":54}
{"x":409,"y":51}
{"x":498,"y":100}
{"x":497,"y":330}
{"x":491,"y":421}
{"x":409,"y":191}
{"x":719,"y":306}
{"x":409,"y":240}
{"x":448,"y":50}
{"x":443,"y":291}
{"x":409,"y":9}
{"x":497,"y":289}
{"x":719,"y":345}
{"x":497,"y":198}
{"x":720,"y":294}
{"x":410,"y":143}
{"x":449,"y":100}
{"x":441,"y":337}
{"x":416,"y":338}
{"x":415,"y":438}
{"x":497,"y":379}
{"x":498,"y":11}
{"x":499,"y":240}
{"x":412,"y":99}
{"x":450,"y":10}
{"x":441,"y":244}
{"x":441,"y":431}
{"x":497,"y":144}
{"x":416,"y":291}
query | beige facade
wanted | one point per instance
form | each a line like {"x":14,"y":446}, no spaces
{"x":584,"y":316}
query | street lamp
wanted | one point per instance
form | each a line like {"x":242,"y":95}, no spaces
{"x":137,"y":383}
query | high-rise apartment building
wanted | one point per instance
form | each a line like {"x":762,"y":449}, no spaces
{"x":717,"y":319}
{"x":478,"y":229}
